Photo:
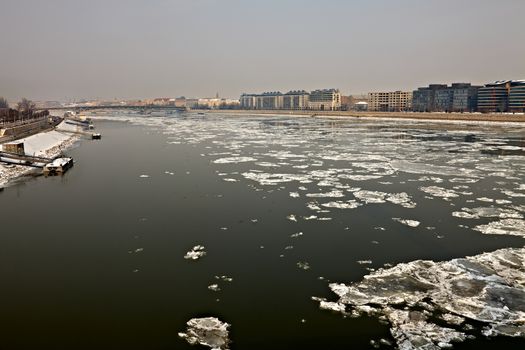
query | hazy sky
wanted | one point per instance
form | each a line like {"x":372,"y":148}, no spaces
{"x":68,"y":49}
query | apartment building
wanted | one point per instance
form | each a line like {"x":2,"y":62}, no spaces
{"x":395,"y":101}
{"x":325,"y":100}
{"x":297,"y":100}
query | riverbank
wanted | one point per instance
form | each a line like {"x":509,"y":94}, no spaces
{"x":468,"y":117}
{"x":47,"y":144}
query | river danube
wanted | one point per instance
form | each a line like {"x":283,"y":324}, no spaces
{"x":288,"y":210}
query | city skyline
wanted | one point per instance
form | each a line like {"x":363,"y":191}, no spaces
{"x":63,"y":50}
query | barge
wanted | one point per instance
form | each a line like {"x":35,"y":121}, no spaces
{"x":58,"y":166}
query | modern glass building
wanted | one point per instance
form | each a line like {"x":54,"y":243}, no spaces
{"x":517,"y":96}
{"x":494,"y":97}
{"x":459,"y":97}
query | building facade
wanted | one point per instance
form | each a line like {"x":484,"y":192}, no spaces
{"x":494,"y":97}
{"x":395,"y":101}
{"x":325,"y":100}
{"x":269,"y":100}
{"x":464,"y":97}
{"x":502,"y":96}
{"x":458,"y":97}
{"x":297,"y":100}
{"x":247,"y":101}
{"x":329,"y":99}
{"x":517,"y":97}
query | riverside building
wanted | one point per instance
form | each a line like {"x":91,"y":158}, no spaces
{"x":458,"y":97}
{"x":395,"y":101}
{"x":297,"y":100}
{"x":517,"y":97}
{"x":502,"y":96}
{"x":325,"y":100}
{"x":494,"y":97}
{"x":328,"y":99}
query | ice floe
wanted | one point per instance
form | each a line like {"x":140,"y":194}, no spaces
{"x":195,"y":253}
{"x":487,"y":288}
{"x":331,"y":194}
{"x":292,"y":218}
{"x":214,"y":287}
{"x":515,"y":227}
{"x":407,"y":222}
{"x":207,"y":331}
{"x":351,"y":204}
{"x":229,"y":160}
{"x":441,"y":192}
{"x":303,"y":265}
{"x":487,"y":212}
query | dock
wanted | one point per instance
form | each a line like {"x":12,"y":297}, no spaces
{"x":49,"y":166}
{"x":22,"y":159}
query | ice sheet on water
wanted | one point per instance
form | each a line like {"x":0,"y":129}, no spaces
{"x":214,"y":287}
{"x":424,"y":168}
{"x":195,"y":253}
{"x":330,"y":305}
{"x":351,"y":204}
{"x":463,"y":180}
{"x":515,"y":227}
{"x":487,"y":212}
{"x":268,"y":165}
{"x":364,"y":262}
{"x":512,"y":193}
{"x":358,"y":177}
{"x":440,"y":192}
{"x":292,"y":217}
{"x":294,"y":194}
{"x":229,"y":160}
{"x":303,"y":265}
{"x":407,"y":222}
{"x":207,"y":331}
{"x":370,"y":196}
{"x":487,"y":288}
{"x":275,"y":179}
{"x":224,"y":278}
{"x":402,"y":198}
{"x":332,"y":194}
{"x":430,"y":178}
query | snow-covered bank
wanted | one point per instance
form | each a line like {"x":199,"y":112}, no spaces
{"x":45,"y":144}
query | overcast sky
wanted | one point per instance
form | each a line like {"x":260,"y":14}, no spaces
{"x":70,"y":49}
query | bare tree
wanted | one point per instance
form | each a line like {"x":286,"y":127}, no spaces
{"x":26,"y":106}
{"x":3,"y":103}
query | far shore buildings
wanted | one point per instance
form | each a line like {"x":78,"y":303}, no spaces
{"x":319,"y":100}
{"x":506,"y":96}
{"x":502,"y":96}
{"x":211,"y":103}
{"x":458,"y":97}
{"x":395,"y":101}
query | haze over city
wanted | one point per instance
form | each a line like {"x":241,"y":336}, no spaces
{"x":60,"y":50}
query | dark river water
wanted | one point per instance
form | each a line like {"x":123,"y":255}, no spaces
{"x":95,"y":259}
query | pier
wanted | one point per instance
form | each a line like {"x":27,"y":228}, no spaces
{"x":25,"y":160}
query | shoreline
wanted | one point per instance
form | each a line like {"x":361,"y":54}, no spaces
{"x":450,"y":117}
{"x":47,"y":144}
